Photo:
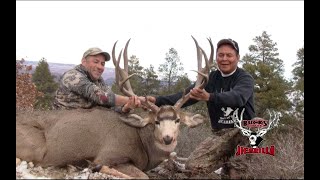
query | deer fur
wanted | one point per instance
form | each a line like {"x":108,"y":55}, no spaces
{"x":61,"y":137}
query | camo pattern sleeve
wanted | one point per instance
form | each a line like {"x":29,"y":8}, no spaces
{"x":77,"y":90}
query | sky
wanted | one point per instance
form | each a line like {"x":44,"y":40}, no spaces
{"x":61,"y":31}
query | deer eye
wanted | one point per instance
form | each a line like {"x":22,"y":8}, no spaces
{"x":157,"y":122}
{"x":177,"y":120}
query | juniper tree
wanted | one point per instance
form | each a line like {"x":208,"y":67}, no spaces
{"x":44,"y":81}
{"x":267,"y":69}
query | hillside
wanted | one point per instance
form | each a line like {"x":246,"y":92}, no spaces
{"x":57,"y":69}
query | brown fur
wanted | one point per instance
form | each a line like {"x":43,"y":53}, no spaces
{"x":61,"y":137}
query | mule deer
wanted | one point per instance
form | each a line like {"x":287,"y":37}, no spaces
{"x":130,"y":144}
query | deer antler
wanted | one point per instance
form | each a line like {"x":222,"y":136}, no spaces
{"x":122,"y":74}
{"x":202,"y":77}
{"x":122,"y":77}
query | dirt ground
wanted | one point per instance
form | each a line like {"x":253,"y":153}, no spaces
{"x":165,"y":170}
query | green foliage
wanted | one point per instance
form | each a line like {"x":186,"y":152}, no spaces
{"x":182,"y":83}
{"x":115,"y":88}
{"x":171,"y":69}
{"x":298,"y":81}
{"x":144,"y":82}
{"x":151,"y":83}
{"x":44,"y":81}
{"x":136,"y":80}
{"x":271,"y":88}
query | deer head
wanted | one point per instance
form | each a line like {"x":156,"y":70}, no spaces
{"x":166,"y":119}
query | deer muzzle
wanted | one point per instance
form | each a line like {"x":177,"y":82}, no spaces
{"x":167,"y":140}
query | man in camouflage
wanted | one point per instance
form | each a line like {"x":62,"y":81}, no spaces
{"x":84,"y":87}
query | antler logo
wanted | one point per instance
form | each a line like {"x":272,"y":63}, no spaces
{"x":262,"y":126}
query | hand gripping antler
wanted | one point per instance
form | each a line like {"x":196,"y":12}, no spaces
{"x":122,"y":77}
{"x":202,"y":77}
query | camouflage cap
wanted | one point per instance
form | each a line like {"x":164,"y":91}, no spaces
{"x":229,"y":41}
{"x":94,"y":51}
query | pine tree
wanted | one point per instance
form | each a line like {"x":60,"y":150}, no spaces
{"x":44,"y":81}
{"x":136,"y":80}
{"x":298,"y":81}
{"x":151,"y":83}
{"x":271,"y":88}
{"x":182,"y":83}
{"x":171,"y":69}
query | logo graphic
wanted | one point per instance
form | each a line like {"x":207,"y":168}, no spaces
{"x":227,"y":116}
{"x":226,"y":111}
{"x":254,"y":129}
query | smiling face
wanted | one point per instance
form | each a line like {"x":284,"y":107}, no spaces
{"x":227,"y":58}
{"x":94,"y":65}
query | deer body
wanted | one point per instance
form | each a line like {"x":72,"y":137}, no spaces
{"x":98,"y":135}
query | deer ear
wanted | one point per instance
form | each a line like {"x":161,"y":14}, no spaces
{"x":191,"y":120}
{"x":135,"y":120}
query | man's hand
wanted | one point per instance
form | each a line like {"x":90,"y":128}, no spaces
{"x":149,"y":98}
{"x":199,"y":94}
{"x":132,"y":103}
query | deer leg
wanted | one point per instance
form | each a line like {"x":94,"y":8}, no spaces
{"x":30,"y":143}
{"x":131,"y":170}
{"x":119,"y":167}
{"x":114,"y":172}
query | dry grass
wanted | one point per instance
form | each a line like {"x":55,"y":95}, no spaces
{"x":190,"y":138}
{"x":288,"y":162}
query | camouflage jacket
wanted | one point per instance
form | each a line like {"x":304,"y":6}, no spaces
{"x":78,"y":90}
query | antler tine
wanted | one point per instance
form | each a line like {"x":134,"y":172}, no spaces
{"x":199,"y":59}
{"x":202,"y":77}
{"x":199,"y":54}
{"x":211,"y":55}
{"x":184,"y":98}
{"x":114,"y":54}
{"x":125,"y":56}
{"x":201,"y":82}
{"x":126,"y":83}
{"x":117,"y":71}
{"x":115,"y":63}
{"x":204,"y":72}
{"x":154,"y":108}
{"x":122,"y":74}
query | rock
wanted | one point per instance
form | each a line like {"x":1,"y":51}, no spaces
{"x":30,"y":165}
{"x":18,"y":161}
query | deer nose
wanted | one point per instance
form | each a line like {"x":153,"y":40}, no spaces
{"x":167,"y":139}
